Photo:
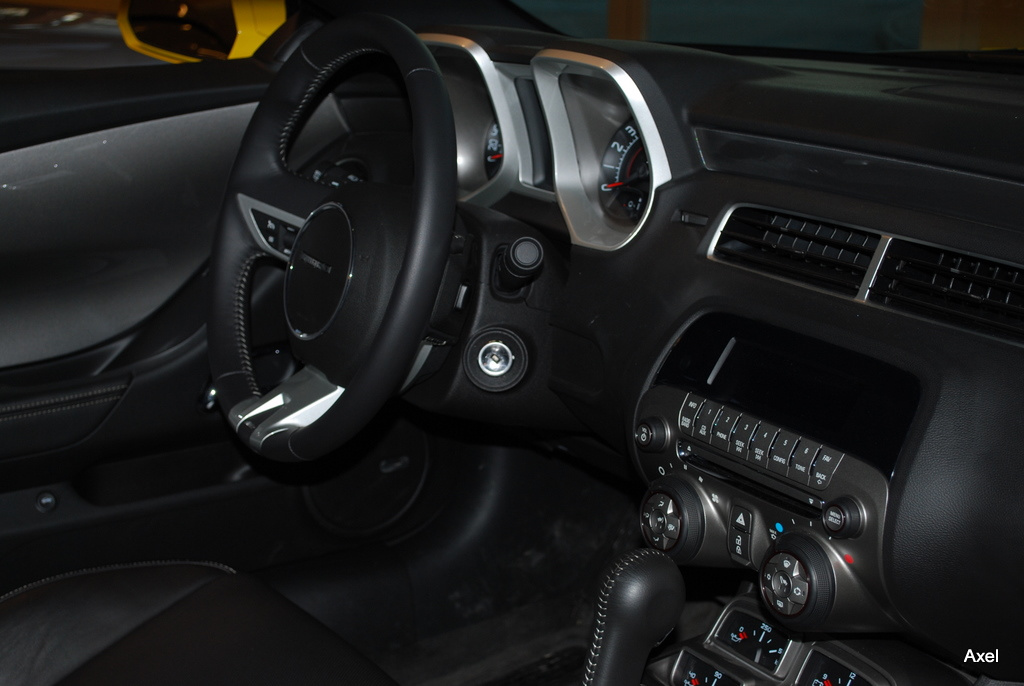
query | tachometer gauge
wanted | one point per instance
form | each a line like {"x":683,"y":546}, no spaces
{"x":625,"y":174}
{"x":493,"y":150}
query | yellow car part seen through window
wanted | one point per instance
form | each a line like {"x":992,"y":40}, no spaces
{"x":193,"y":30}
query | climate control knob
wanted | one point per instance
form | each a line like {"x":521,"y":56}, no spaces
{"x":797,"y":582}
{"x":672,"y":518}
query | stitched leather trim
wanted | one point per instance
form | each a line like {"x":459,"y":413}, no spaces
{"x":312,"y":90}
{"x":241,"y":320}
{"x":620,"y":566}
{"x":110,"y":568}
{"x":55,"y":410}
{"x":106,"y":390}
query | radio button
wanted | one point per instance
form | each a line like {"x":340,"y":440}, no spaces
{"x":704,"y":422}
{"x":803,"y":458}
{"x":722,"y":430}
{"x":782,"y":450}
{"x":761,"y":444}
{"x":824,"y":468}
{"x":740,"y":441}
{"x":688,"y":411}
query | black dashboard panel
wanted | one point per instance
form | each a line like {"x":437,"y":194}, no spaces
{"x":916,"y":400}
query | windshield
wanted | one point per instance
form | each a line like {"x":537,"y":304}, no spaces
{"x":830,"y":25}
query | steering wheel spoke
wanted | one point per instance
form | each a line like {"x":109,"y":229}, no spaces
{"x":266,"y":422}
{"x":271,"y":228}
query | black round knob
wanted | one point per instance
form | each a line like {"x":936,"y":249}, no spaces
{"x":519,"y":264}
{"x":797,"y":582}
{"x":525,"y":256}
{"x":651,"y":434}
{"x":843,"y":517}
{"x":672,"y":518}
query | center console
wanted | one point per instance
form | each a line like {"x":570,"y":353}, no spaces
{"x":773,"y":451}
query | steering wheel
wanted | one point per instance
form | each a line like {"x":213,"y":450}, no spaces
{"x":365,"y":267}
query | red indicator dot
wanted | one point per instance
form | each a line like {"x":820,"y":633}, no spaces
{"x":849,"y":558}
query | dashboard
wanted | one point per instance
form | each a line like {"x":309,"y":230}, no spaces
{"x":791,"y":292}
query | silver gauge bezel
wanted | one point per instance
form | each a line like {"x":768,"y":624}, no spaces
{"x":516,"y":169}
{"x":589,"y":225}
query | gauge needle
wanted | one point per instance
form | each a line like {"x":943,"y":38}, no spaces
{"x":624,"y":182}
{"x":492,"y":158}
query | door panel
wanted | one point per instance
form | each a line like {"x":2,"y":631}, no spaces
{"x":47,"y":105}
{"x":101,"y":229}
{"x":108,"y":213}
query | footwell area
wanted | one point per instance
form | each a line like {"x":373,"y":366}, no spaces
{"x":556,"y":669}
{"x":537,"y":645}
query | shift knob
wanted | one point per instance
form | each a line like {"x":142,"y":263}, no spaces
{"x":640,"y":600}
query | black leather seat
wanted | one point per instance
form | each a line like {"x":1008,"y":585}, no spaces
{"x":168,"y":623}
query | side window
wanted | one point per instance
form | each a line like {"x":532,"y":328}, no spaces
{"x":45,"y":34}
{"x":193,"y":30}
{"x":41,"y":36}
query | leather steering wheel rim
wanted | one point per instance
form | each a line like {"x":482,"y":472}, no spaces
{"x":312,"y":414}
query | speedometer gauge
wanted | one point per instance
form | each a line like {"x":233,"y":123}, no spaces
{"x":625,"y":174}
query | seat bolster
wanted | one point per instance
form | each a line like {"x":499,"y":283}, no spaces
{"x":169,"y":624}
{"x":233,"y":630}
{"x":50,"y":628}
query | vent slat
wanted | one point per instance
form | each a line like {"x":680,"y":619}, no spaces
{"x":982,"y":298}
{"x":825,"y":255}
{"x":952,"y":287}
{"x":967,"y":276}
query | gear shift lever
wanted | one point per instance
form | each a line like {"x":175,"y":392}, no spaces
{"x":640,"y":601}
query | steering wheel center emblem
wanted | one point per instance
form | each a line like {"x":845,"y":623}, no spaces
{"x":319,"y":272}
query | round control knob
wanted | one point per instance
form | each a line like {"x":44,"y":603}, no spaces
{"x":797,"y":582}
{"x":672,"y":518}
{"x":651,"y":434}
{"x":843,"y":518}
{"x":519,"y":264}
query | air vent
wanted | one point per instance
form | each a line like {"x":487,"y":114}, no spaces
{"x":951,"y":286}
{"x":825,"y":255}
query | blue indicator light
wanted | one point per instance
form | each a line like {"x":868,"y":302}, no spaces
{"x":778,"y":527}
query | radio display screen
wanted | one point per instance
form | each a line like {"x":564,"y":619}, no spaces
{"x":850,"y":401}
